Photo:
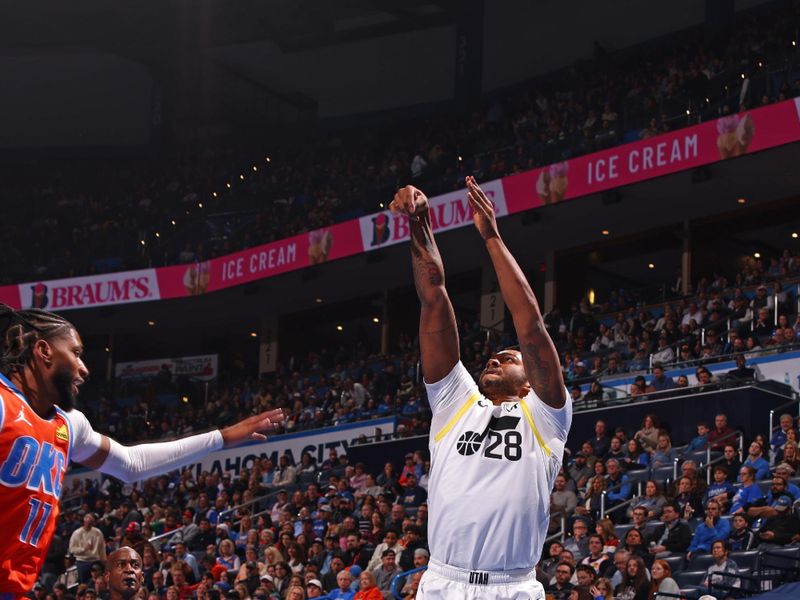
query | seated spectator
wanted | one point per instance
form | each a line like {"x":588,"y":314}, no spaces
{"x":590,"y":503}
{"x":619,"y":484}
{"x":605,"y":529}
{"x":786,"y":471}
{"x":721,"y":490}
{"x":721,"y":434}
{"x":742,"y":371}
{"x":730,"y":461}
{"x":741,"y":537}
{"x":615,"y":450}
{"x":547,"y":567}
{"x":652,"y":501}
{"x":600,"y":442}
{"x":779,"y":438}
{"x":689,"y":470}
{"x":713,"y":528}
{"x":562,"y":503}
{"x":748,"y":494}
{"x":639,"y":520}
{"x":579,"y":471}
{"x":343,"y":581}
{"x":664,"y":354}
{"x":639,"y":387}
{"x":602,"y":589}
{"x":385,"y":572}
{"x":616,"y":574}
{"x":688,"y":502}
{"x":660,"y":382}
{"x":562,"y":586}
{"x":722,"y":564}
{"x":635,"y":545}
{"x":672,"y":536}
{"x":664,"y":454}
{"x":635,"y":456}
{"x":792,"y":456}
{"x":412,"y":494}
{"x":781,"y":525}
{"x":368,"y":589}
{"x":597,"y":559}
{"x":662,"y":581}
{"x":635,"y":585}
{"x":699,"y":442}
{"x":578,"y":542}
{"x":755,"y":459}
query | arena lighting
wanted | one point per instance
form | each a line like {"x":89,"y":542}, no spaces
{"x":590,"y":296}
{"x":185,"y":399}
{"x":214,"y":194}
{"x":756,"y":254}
{"x":318,"y":300}
{"x":688,"y":112}
{"x":742,"y":75}
{"x":381,"y":204}
{"x":605,"y":232}
{"x":741,"y":201}
{"x":460,"y":158}
{"x":141,"y":242}
{"x":107,"y":349}
{"x":158,"y":235}
{"x":269,"y":159}
{"x":339,"y":328}
{"x":253,"y":334}
{"x":241,"y":177}
{"x":199,"y":205}
{"x":376,"y":320}
{"x":173,"y":221}
{"x":255,"y":168}
{"x":151,"y":323}
{"x":651,"y":266}
{"x":228,"y":185}
{"x":794,"y":235}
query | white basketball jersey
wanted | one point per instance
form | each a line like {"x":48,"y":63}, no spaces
{"x":492,"y":470}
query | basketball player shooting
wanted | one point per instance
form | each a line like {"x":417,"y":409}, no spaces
{"x":496,"y":447}
{"x":41,"y":371}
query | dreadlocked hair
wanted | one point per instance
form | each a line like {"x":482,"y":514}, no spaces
{"x":20,"y":330}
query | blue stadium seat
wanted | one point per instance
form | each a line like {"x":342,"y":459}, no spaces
{"x":621,"y":530}
{"x":747,"y":559}
{"x":676,"y":562}
{"x":661,"y":474}
{"x":786,"y":558}
{"x":689,"y":578}
{"x":700,"y":561}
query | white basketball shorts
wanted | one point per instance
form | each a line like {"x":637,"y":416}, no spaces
{"x":444,"y":582}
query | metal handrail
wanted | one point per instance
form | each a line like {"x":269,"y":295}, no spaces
{"x":737,"y":433}
{"x":228,"y":511}
{"x":629,"y":501}
{"x":397,"y":577}
{"x":611,"y":489}
{"x":562,"y":534}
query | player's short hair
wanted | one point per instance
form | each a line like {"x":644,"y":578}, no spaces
{"x":21,"y":329}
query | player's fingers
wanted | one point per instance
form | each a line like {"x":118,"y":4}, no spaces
{"x":258,"y":436}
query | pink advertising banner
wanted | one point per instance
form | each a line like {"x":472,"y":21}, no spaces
{"x":714,"y":141}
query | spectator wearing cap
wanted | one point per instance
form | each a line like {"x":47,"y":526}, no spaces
{"x":385,"y":572}
{"x":88,"y":545}
{"x":188,"y":530}
{"x":314,"y":588}
{"x":660,"y":382}
{"x":391,"y":541}
{"x":132,"y":535}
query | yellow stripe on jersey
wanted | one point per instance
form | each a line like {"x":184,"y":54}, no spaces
{"x":529,"y":417}
{"x":456,"y":417}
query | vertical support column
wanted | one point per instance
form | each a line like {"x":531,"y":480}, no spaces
{"x":686,"y":259}
{"x":493,"y":307}
{"x":549,"y":282}
{"x":385,"y":324}
{"x":110,"y":358}
{"x":469,"y":54}
{"x":268,"y":346}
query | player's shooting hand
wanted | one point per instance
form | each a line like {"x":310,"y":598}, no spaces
{"x":251,"y":428}
{"x":482,"y":210}
{"x":409,"y":201}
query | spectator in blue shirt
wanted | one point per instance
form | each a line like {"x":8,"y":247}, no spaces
{"x":720,"y":490}
{"x":660,"y":381}
{"x":786,"y":471}
{"x":617,"y":479}
{"x":713,"y":528}
{"x":700,"y":442}
{"x":779,"y":437}
{"x":756,"y":460}
{"x":748,"y":493}
{"x":664,"y":454}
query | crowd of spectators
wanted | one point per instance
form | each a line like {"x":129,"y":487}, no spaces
{"x":84,"y":217}
{"x":648,"y":526}
{"x":280,"y":531}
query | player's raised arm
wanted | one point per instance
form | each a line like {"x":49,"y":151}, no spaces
{"x":438,"y":334}
{"x":539,"y":355}
{"x":134,"y":463}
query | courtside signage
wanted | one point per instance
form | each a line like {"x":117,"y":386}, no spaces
{"x":710,"y":142}
{"x":201,"y":367}
{"x":449,"y":211}
{"x":96,"y":290}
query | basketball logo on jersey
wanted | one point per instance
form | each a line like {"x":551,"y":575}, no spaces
{"x":501,"y":431}
{"x":62,"y":433}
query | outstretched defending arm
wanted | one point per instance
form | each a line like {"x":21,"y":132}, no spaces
{"x":539,"y":355}
{"x":438,"y":334}
{"x":134,"y":463}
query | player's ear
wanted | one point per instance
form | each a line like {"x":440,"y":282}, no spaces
{"x":525,"y":390}
{"x":43,"y":351}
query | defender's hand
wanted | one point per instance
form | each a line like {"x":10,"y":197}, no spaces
{"x":409,"y":201}
{"x":250,"y":428}
{"x":482,"y":210}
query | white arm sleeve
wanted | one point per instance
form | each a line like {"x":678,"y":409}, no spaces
{"x":134,"y":463}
